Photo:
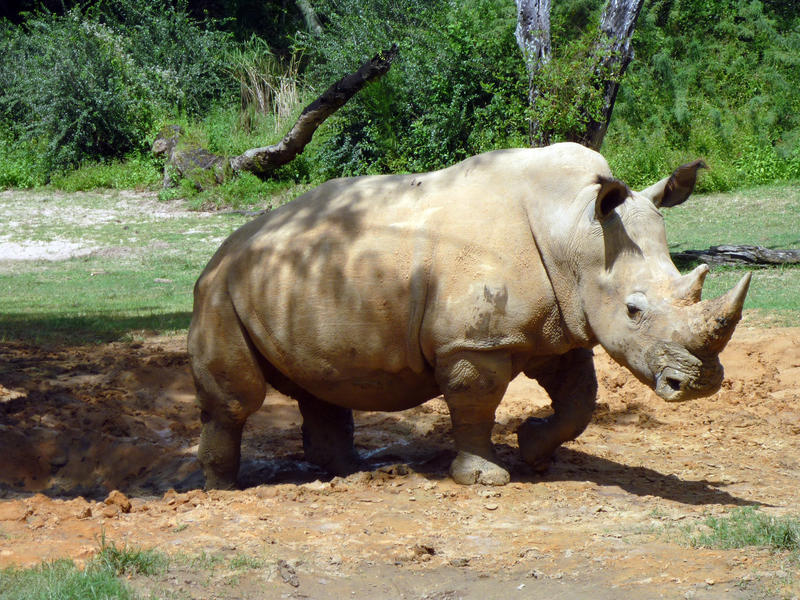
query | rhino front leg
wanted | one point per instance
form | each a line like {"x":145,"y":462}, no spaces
{"x":473,"y":384}
{"x":572,"y":385}
{"x":328,"y":435}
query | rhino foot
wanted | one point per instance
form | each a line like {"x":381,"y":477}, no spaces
{"x":538,"y":440}
{"x":341,"y":464}
{"x":467,"y":469}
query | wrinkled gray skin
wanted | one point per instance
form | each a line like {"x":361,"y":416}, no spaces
{"x":379,"y":293}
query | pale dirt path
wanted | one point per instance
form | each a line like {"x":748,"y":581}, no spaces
{"x":603,"y":523}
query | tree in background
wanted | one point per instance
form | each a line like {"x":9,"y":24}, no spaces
{"x":594,"y":84}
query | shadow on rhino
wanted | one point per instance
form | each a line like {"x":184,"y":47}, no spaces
{"x":382,"y":292}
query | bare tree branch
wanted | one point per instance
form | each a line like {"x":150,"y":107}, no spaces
{"x":261,"y":161}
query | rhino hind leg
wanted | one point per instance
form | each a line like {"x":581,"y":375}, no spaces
{"x":230,"y":386}
{"x":572,"y":385}
{"x":327,"y":434}
{"x":473,"y":384}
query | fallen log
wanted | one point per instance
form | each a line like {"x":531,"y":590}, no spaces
{"x":739,"y":255}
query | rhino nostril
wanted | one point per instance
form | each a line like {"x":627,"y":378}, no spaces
{"x":673,"y":383}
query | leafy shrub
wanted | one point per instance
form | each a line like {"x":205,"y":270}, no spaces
{"x":458,"y":86}
{"x":92,"y":83}
{"x":714,"y":79}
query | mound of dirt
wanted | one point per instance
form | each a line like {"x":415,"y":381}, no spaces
{"x":77,"y":423}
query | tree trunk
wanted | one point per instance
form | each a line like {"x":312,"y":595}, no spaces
{"x":262,"y":161}
{"x":533,"y":39}
{"x":310,"y":16}
{"x":614,"y":53}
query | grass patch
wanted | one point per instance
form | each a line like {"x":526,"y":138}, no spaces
{"x":62,"y":580}
{"x":129,"y":560}
{"x":241,"y":192}
{"x":763,"y":216}
{"x":136,"y":172}
{"x":144,"y":257}
{"x":748,"y":526}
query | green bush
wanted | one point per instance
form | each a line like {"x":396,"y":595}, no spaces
{"x":718,"y":79}
{"x":458,"y":86}
{"x":93,"y":83}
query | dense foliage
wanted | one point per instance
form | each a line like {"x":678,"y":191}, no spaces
{"x":457,"y":88}
{"x":93,"y":83}
{"x":718,"y":79}
{"x":712,"y":78}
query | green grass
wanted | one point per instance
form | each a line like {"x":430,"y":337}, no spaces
{"x":764,"y":216}
{"x":129,"y":560}
{"x":137,"y":171}
{"x":242,"y":192}
{"x":749,"y":526}
{"x":100,"y":579}
{"x":61,"y":580}
{"x":139,"y":277}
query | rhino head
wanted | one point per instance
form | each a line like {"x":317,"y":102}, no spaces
{"x":636,"y":303}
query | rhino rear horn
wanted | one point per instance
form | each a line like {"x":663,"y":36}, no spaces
{"x":690,"y":287}
{"x":676,"y":188}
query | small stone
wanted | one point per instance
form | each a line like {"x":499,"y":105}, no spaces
{"x":459,"y":562}
{"x":111,"y":511}
{"x":535,"y":574}
{"x":317,"y":486}
{"x":85,"y":513}
{"x":710,"y":582}
{"x":117,"y":498}
{"x":491,"y":506}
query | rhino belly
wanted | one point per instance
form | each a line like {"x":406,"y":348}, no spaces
{"x":377,"y":390}
{"x":340,"y":320}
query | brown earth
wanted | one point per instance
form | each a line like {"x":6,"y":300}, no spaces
{"x":606,"y":521}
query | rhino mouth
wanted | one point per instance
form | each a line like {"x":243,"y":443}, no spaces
{"x":671,"y":384}
{"x":674,"y":385}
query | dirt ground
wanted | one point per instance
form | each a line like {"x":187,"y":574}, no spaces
{"x":605,"y":522}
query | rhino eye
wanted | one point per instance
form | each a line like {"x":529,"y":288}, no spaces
{"x":636,"y":304}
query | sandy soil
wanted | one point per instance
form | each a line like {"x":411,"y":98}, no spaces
{"x":604,"y":522}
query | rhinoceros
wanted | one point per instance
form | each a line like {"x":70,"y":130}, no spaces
{"x":383,"y":292}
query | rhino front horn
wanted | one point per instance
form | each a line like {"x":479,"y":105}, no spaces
{"x":713,"y":327}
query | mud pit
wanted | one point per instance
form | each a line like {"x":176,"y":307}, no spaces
{"x":604,"y":522}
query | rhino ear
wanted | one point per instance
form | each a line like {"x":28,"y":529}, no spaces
{"x":611,"y":194}
{"x":676,"y":188}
